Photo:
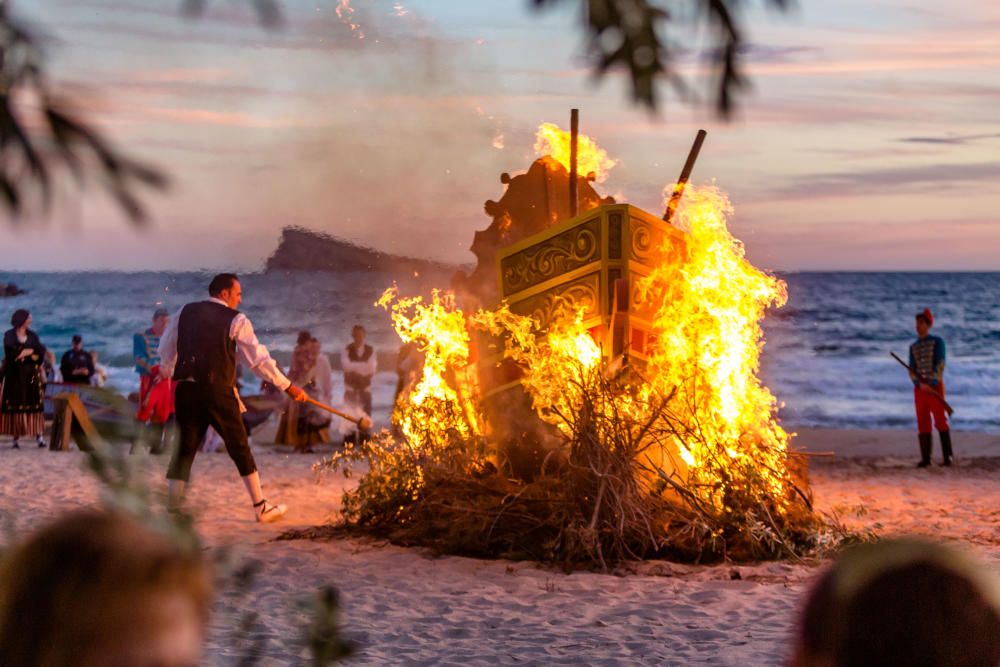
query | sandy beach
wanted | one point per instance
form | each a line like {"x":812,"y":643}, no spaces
{"x":404,"y":606}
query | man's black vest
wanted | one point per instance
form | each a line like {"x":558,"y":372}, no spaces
{"x":205,"y":352}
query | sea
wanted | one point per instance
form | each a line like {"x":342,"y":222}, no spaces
{"x":825,"y":357}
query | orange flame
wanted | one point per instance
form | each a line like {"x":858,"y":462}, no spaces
{"x":442,"y":402}
{"x":705,"y":327}
{"x":552,"y":360}
{"x":590,"y":159}
{"x":708,"y":338}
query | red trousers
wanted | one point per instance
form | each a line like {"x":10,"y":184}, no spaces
{"x":928,"y":405}
{"x":156,"y":399}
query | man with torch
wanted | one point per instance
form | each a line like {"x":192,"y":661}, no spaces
{"x":199,"y":349}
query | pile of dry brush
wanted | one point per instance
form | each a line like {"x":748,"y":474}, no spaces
{"x":602,"y":503}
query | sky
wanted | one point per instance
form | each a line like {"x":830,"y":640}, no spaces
{"x":868,"y":141}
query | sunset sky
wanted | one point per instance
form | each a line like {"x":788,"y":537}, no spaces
{"x":869,"y":141}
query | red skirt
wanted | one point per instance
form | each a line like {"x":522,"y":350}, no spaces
{"x":22,"y":423}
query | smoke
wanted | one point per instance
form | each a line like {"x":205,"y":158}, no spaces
{"x":409,"y":142}
{"x":391,"y":141}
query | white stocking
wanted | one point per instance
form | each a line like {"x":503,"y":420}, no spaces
{"x":175,"y":493}
{"x":252,"y":483}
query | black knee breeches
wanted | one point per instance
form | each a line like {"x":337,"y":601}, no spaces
{"x":199,"y":406}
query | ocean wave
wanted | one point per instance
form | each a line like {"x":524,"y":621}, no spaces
{"x":826,"y":354}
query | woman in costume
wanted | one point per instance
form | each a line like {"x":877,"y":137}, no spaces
{"x":21,"y":408}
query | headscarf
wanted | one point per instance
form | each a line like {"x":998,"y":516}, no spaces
{"x":303,"y":362}
{"x":19,"y":317}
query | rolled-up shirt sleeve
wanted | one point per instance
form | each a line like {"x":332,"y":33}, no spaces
{"x":256,"y":356}
{"x":168,"y":346}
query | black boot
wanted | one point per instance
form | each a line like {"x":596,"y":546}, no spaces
{"x":925,"y":450}
{"x":155,"y":439}
{"x":946,"y":446}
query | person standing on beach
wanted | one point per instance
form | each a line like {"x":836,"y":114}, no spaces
{"x":21,"y":408}
{"x":145,"y":350}
{"x":77,"y":365}
{"x":100,"y":375}
{"x":927,"y":357}
{"x":49,"y":368}
{"x":199,"y":349}
{"x":156,"y":393}
{"x":359,"y":362}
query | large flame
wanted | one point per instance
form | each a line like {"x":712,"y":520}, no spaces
{"x":708,"y":340}
{"x":441,"y":405}
{"x":590,"y":158}
{"x":552,"y":360}
{"x":703,"y":361}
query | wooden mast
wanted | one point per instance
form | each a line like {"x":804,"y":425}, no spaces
{"x":675,"y":198}
{"x":574,"y":133}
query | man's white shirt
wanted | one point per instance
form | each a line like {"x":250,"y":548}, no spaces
{"x":254,"y":354}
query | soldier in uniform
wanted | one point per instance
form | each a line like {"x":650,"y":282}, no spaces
{"x":927,"y":356}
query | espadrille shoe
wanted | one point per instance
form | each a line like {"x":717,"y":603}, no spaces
{"x":267,"y":513}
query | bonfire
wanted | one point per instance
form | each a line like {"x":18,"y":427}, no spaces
{"x":598,"y":400}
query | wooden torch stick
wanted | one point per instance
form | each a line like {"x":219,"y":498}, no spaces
{"x":675,"y":198}
{"x":364,"y":422}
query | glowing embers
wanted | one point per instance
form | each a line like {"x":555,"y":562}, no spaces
{"x":345,"y":13}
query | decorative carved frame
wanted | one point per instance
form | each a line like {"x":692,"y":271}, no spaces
{"x":576,"y":262}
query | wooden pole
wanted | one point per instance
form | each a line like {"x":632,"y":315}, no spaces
{"x":363,"y":422}
{"x":574,"y":134}
{"x":675,"y":198}
{"x":62,"y":423}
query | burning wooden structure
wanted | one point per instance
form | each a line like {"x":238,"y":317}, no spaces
{"x":588,"y":267}
{"x":522,"y":376}
{"x":553,"y":263}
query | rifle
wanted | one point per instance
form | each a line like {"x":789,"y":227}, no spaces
{"x":923,"y":380}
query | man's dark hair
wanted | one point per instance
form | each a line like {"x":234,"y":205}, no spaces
{"x":221,"y":282}
{"x":77,"y":338}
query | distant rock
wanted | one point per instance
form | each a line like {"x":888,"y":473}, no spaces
{"x":305,"y":250}
{"x":10,"y":289}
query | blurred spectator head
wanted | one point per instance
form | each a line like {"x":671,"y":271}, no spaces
{"x":97,"y":588}
{"x":160,"y":319}
{"x":20,"y":318}
{"x":901,"y":602}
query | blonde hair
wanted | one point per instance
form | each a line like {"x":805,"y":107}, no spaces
{"x":77,"y":587}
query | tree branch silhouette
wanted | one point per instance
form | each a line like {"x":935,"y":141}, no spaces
{"x":41,"y":137}
{"x":268,"y":11}
{"x":627,"y":34}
